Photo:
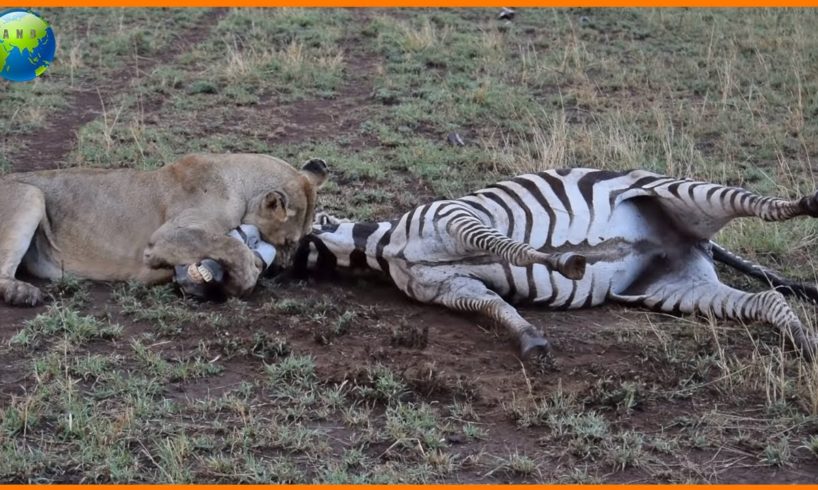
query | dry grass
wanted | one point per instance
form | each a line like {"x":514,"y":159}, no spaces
{"x":422,"y":35}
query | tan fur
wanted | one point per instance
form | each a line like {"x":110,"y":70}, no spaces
{"x":126,"y":224}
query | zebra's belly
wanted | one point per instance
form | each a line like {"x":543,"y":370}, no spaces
{"x":539,"y":285}
{"x":619,"y":247}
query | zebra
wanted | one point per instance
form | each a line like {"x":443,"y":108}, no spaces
{"x":571,"y":238}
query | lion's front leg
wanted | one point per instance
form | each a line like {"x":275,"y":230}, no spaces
{"x":22,"y":210}
{"x":174,"y":245}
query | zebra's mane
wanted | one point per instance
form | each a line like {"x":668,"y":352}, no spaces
{"x":326,"y":263}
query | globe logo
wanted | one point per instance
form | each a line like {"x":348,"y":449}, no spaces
{"x":27,"y":45}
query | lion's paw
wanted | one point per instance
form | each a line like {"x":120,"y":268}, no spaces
{"x":19,"y":293}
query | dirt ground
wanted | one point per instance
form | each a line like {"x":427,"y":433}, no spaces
{"x":678,"y":400}
{"x":460,"y":359}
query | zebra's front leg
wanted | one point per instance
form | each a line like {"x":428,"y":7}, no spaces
{"x":728,"y":303}
{"x":471,"y":295}
{"x":474,"y":235}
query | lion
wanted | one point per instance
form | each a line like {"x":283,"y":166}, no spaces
{"x":125,"y":224}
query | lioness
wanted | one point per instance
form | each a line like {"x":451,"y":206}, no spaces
{"x":128,"y":224}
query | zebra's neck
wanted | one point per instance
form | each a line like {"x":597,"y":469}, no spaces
{"x":356,"y":245}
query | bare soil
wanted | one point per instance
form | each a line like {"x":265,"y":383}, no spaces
{"x":47,"y":148}
{"x":459,"y":359}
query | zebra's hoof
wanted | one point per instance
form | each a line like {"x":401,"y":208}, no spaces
{"x":215,"y":268}
{"x":809,"y":349}
{"x":810,"y":205}
{"x":573,"y":266}
{"x":532,"y":344}
{"x":201,"y":280}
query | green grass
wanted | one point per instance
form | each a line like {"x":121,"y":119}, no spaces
{"x":337,"y":384}
{"x":58,"y":321}
{"x":95,"y":45}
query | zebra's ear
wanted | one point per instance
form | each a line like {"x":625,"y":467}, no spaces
{"x":316,"y":170}
{"x":322,"y":218}
{"x":275,"y":204}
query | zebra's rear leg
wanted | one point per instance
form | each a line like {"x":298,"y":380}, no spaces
{"x":703,"y":208}
{"x":473,"y":234}
{"x":471,"y":295}
{"x":568,"y":264}
{"x":684,"y":295}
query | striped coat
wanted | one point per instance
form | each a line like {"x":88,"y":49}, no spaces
{"x":570,"y":238}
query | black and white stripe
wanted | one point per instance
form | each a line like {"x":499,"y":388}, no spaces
{"x":643,"y":238}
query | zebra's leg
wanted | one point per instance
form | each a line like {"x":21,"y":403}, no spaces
{"x":684,"y":295}
{"x":703,"y":208}
{"x":323,"y":218}
{"x":473,"y":234}
{"x":471,"y":295}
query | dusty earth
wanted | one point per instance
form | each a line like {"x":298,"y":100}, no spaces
{"x":445,"y":356}
{"x":449,"y":357}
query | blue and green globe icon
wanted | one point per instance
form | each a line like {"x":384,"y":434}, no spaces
{"x":27,"y":45}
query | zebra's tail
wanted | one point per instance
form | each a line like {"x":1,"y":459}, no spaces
{"x":785,"y":286}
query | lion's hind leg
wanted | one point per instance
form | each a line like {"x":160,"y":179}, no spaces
{"x":22,"y":209}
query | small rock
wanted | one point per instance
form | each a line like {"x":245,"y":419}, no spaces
{"x":202,"y":87}
{"x":506,"y":14}
{"x":455,"y":139}
{"x":454,"y":439}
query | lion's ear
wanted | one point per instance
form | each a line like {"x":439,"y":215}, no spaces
{"x":276,"y":205}
{"x":316,"y":170}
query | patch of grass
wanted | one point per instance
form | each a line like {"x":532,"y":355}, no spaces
{"x":625,"y":396}
{"x":93,"y":366}
{"x":579,"y":475}
{"x":530,"y":412}
{"x":69,"y":323}
{"x":379,"y":383}
{"x":290,"y":306}
{"x":171,"y":458}
{"x":776,"y":453}
{"x":263,"y":49}
{"x":30,"y":105}
{"x":70,"y":289}
{"x":87,"y":55}
{"x":410,"y":335}
{"x":414,"y":427}
{"x":331,"y":329}
{"x":292,"y":369}
{"x":161,"y":307}
{"x":473,"y":431}
{"x":5,"y":164}
{"x":123,"y":140}
{"x":516,"y":464}
{"x":812,"y":445}
{"x":268,"y":348}
{"x":626,"y":450}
